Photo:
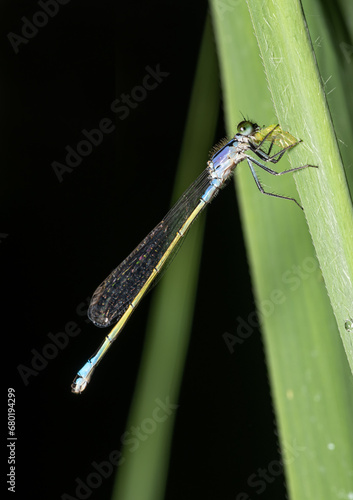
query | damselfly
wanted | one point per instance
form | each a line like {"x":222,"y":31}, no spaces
{"x":117,"y":297}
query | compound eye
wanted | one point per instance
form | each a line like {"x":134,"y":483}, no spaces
{"x":246,"y":128}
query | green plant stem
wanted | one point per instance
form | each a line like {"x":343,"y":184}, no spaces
{"x":143,"y":474}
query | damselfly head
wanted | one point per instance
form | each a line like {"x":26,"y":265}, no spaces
{"x":247,"y":128}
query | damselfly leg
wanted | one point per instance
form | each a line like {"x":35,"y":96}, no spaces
{"x":251,"y":160}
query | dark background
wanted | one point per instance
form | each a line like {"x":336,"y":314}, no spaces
{"x":60,"y":239}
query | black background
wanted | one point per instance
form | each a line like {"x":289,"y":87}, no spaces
{"x":64,"y":237}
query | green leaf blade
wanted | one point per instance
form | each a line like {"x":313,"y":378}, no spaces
{"x":310,"y":377}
